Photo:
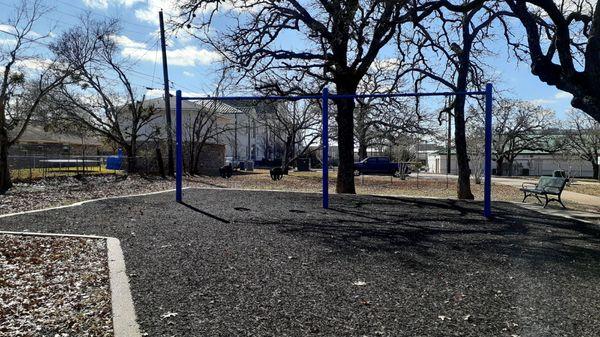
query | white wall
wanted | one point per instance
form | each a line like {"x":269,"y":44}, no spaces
{"x":538,"y":164}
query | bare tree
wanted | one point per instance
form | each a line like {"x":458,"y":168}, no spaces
{"x":562,"y":47}
{"x":205,"y":125}
{"x":583,"y":137}
{"x":519,"y":126}
{"x":101,"y":96}
{"x":341,"y":41}
{"x":296,"y":125}
{"x":21,"y":93}
{"x":381,"y":121}
{"x":461,"y":41}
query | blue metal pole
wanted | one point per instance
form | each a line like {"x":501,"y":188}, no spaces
{"x":487,"y":183}
{"x":178,"y":149}
{"x":325,"y":140}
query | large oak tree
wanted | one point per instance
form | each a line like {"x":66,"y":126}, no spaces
{"x":330,"y":41}
{"x":563,"y":47}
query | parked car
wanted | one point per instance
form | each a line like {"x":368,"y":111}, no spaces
{"x":380,"y":165}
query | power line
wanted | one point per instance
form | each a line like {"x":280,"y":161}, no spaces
{"x":100,"y":14}
{"x":93,"y":13}
{"x":25,"y":38}
{"x":129,"y":69}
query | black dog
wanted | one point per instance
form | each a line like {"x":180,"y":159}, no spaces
{"x":276,"y":173}
{"x":226,"y":171}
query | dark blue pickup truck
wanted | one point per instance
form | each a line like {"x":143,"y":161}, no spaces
{"x":380,"y":165}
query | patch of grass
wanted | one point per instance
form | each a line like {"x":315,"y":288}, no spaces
{"x":39,"y":173}
{"x":590,"y":188}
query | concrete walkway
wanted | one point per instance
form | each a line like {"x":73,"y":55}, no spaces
{"x":517,"y":182}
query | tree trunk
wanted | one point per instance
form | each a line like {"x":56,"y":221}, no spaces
{"x":362,"y":148}
{"x":285,"y":161}
{"x":595,"y":170}
{"x":510,"y":167}
{"x":499,"y":163}
{"x":159,"y":161}
{"x":195,"y":165}
{"x":460,"y":139}
{"x":345,"y":121}
{"x":131,"y":152}
{"x":462,"y":157}
{"x":5,"y":182}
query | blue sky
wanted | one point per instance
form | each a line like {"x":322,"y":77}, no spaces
{"x":192,"y":66}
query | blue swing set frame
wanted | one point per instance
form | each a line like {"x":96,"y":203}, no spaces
{"x":325,"y":97}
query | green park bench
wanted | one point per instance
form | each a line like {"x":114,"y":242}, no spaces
{"x":549,"y":187}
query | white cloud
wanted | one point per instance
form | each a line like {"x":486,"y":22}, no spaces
{"x":188,"y":74}
{"x":11,"y":30}
{"x":171,"y":8}
{"x":154,"y":93}
{"x":7,"y":42}
{"x":33,"y":64}
{"x":543,"y":101}
{"x":8,"y":28}
{"x":188,"y":56}
{"x":150,"y":13}
{"x":563,"y":95}
{"x":103,"y":4}
{"x":126,"y":42}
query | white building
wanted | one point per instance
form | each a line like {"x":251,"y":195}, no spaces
{"x":245,"y":137}
{"x":525,"y":164}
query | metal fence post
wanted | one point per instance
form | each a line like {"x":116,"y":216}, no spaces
{"x":487,"y":186}
{"x":178,"y":148}
{"x":325,"y":140}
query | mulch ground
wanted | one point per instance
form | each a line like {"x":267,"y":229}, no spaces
{"x":251,"y":263}
{"x":54,"y":286}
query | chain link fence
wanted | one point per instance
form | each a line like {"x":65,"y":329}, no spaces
{"x":32,"y":167}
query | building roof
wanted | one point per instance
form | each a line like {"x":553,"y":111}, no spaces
{"x":221,"y":107}
{"x":35,"y":133}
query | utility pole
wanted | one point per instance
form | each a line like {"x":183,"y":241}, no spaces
{"x":163,"y":45}
{"x":235,"y":140}
{"x":449,"y":155}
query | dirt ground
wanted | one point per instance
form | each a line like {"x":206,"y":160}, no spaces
{"x":57,"y":191}
{"x":417,"y":186}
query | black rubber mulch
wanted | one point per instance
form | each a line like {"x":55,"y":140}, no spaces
{"x":233,"y":263}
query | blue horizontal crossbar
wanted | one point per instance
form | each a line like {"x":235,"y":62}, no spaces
{"x":294,"y":98}
{"x":410,"y":94}
{"x":252,"y":98}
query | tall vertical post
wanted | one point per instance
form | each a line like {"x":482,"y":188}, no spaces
{"x":325,"y":140}
{"x":487,"y":183}
{"x":169,"y":126}
{"x":449,"y":140}
{"x":179,"y":149}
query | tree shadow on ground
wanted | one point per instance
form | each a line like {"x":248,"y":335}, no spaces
{"x":436,"y":227}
